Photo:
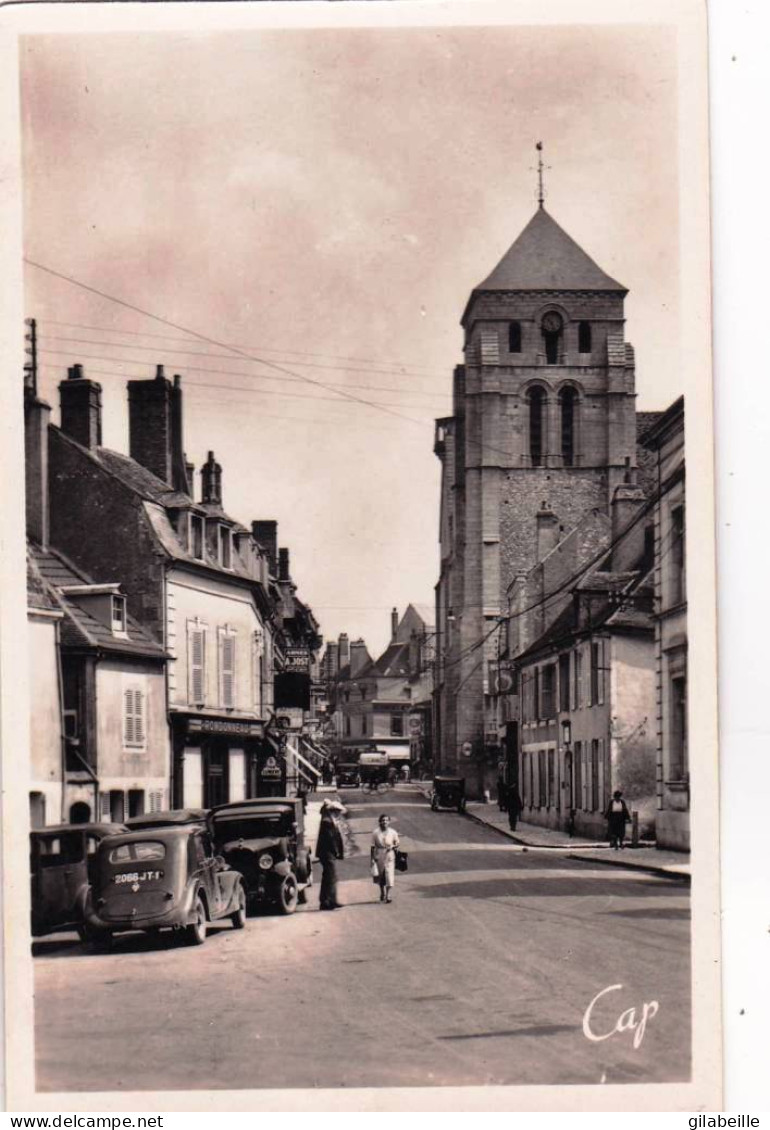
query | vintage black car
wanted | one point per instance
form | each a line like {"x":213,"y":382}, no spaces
{"x":264,"y":839}
{"x":448,"y":792}
{"x":62,"y":860}
{"x":348,"y":774}
{"x":164,"y":877}
{"x":169,"y":818}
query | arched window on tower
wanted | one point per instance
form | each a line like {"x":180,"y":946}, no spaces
{"x":536,"y":401}
{"x":584,"y":337}
{"x":514,"y":337}
{"x":552,"y":326}
{"x":568,"y":406}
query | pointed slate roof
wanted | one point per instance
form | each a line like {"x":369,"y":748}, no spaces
{"x":544,"y":257}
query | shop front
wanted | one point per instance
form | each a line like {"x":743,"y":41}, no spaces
{"x":223,"y":759}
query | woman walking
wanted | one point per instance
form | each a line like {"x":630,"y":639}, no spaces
{"x":617,"y":816}
{"x":384,"y":843}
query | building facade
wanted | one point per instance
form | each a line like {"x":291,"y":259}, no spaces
{"x":666,"y":440}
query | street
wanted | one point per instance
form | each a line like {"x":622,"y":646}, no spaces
{"x":480,"y":972}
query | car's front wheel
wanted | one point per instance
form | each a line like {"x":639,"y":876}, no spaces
{"x":288,"y":896}
{"x":238,"y":919}
{"x":195,"y":933}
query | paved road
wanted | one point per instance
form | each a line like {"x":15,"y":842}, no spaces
{"x":480,"y":972}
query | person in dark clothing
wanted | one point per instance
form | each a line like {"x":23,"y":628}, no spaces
{"x":515,"y":805}
{"x":329,"y":849}
{"x":502,"y":794}
{"x":617,"y":816}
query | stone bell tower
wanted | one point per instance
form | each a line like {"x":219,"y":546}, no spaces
{"x":543,"y":422}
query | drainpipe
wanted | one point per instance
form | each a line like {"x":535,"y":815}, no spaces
{"x":60,"y":681}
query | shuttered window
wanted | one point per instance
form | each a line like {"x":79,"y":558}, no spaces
{"x":197,"y":662}
{"x":226,"y":668}
{"x":134,"y":726}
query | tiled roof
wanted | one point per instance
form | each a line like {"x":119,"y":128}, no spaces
{"x":139,"y":479}
{"x":394,"y":661}
{"x":79,"y":627}
{"x":544,"y":257}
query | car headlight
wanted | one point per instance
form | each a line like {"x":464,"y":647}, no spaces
{"x":265,"y":862}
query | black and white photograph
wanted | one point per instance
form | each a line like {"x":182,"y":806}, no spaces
{"x":366,"y":732}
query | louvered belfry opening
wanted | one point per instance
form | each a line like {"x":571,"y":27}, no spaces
{"x":536,"y":399}
{"x":567,"y":404}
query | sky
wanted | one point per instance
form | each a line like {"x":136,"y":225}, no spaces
{"x":319,"y":205}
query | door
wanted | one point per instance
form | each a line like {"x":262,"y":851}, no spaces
{"x":216,"y":782}
{"x":61,"y":874}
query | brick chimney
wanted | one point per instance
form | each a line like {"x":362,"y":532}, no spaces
{"x":547,"y":531}
{"x":37,"y":415}
{"x":179,"y":479}
{"x":359,"y":657}
{"x":283,"y":565}
{"x":266,"y":533}
{"x":627,"y":502}
{"x":393,"y":624}
{"x":211,"y":482}
{"x":81,"y":408}
{"x":343,"y":648}
{"x":152,"y":411}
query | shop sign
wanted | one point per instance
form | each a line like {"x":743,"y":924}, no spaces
{"x":297,"y":659}
{"x":224,"y":726}
{"x":270,"y":768}
{"x":415,"y":725}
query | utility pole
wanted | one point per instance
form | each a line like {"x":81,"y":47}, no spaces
{"x":30,"y":366}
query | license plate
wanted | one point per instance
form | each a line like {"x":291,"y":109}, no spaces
{"x":138,"y":876}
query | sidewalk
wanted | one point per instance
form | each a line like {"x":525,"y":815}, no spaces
{"x":673,"y":864}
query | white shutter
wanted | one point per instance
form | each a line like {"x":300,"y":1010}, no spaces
{"x":197,"y":653}
{"x":602,"y":669}
{"x":139,"y":726}
{"x":128,"y":717}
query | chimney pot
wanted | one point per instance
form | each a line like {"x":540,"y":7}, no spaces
{"x":393,"y":623}
{"x":153,"y":421}
{"x":211,"y":481}
{"x":266,"y":533}
{"x":81,"y":408}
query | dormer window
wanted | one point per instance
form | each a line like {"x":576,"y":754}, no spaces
{"x":119,"y":615}
{"x":225,"y":547}
{"x":196,"y":536}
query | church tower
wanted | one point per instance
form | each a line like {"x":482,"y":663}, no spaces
{"x":543,"y":430}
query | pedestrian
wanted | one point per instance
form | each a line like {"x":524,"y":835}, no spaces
{"x":502,"y":793}
{"x":515,"y":805}
{"x":384,"y":844}
{"x":329,"y":849}
{"x":617,"y":816}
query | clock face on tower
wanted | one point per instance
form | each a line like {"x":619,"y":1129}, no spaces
{"x":552,"y":322}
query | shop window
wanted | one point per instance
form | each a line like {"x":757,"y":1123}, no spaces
{"x":514,"y":337}
{"x":584,"y":337}
{"x":397,"y":725}
{"x":568,"y":407}
{"x":216,"y":786}
{"x":134,"y":721}
{"x":536,"y":404}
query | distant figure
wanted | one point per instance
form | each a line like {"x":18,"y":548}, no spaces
{"x":330,"y":848}
{"x":515,"y":805}
{"x":405,"y":773}
{"x":617,"y":816}
{"x":384,"y":843}
{"x":502,"y":794}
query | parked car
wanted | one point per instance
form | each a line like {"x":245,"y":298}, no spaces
{"x":348,"y":774}
{"x":448,"y":792}
{"x":264,"y":839}
{"x":163,"y":878}
{"x":62,"y":860}
{"x":169,"y":818}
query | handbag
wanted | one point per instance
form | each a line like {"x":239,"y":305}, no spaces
{"x":375,"y":872}
{"x":402,"y":860}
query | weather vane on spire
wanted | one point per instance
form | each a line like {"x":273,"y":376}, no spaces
{"x":540,"y":167}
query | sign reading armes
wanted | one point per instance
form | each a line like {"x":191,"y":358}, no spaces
{"x":297,"y":659}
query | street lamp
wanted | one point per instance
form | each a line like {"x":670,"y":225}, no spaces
{"x":566,"y":741}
